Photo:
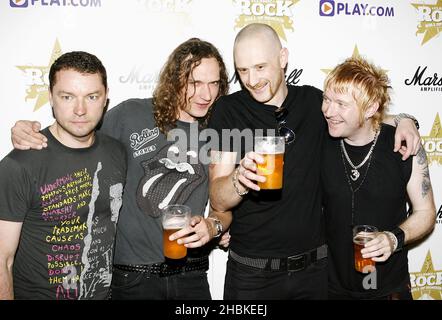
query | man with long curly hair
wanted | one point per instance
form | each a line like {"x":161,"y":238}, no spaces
{"x":193,"y":77}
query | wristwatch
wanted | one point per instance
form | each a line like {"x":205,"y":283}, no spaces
{"x":401,"y":116}
{"x":218,"y":226}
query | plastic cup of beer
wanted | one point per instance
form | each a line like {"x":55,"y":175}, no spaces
{"x":361,"y":235}
{"x":272,"y":149}
{"x":174,"y":218}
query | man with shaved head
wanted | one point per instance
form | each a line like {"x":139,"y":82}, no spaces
{"x":277,"y":248}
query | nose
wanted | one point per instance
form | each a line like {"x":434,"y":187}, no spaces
{"x":253,"y":78}
{"x":205,"y":92}
{"x":80,"y":108}
{"x":327,"y":109}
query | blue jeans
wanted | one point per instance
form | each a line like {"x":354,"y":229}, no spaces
{"x":249,"y":283}
{"x":129,"y":285}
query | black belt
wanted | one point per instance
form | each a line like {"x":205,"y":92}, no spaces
{"x":292,"y":264}
{"x":165,"y":270}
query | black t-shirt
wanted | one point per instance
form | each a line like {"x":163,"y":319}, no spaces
{"x":68,"y":201}
{"x":380,"y":201}
{"x":278,"y":225}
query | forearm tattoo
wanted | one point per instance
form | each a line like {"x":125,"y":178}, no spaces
{"x":422,"y":161}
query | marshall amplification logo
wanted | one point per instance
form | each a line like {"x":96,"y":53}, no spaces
{"x":433,"y":142}
{"x":37,"y":79}
{"x":425,"y":81}
{"x":426,"y":284}
{"x":430,"y":19}
{"x":277,"y":14}
{"x":141,"y":78}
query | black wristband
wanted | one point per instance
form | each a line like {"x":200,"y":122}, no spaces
{"x":400,"y":236}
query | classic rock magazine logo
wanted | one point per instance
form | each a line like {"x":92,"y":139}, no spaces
{"x":54,"y":3}
{"x":36,"y":78}
{"x":277,"y":14}
{"x":330,"y":8}
{"x":426,"y":80}
{"x":433,"y":142}
{"x":430,"y":19}
{"x":426,"y":284}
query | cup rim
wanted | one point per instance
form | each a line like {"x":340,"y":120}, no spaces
{"x":176,"y":205}
{"x":371,"y":229}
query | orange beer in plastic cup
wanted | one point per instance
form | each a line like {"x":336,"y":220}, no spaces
{"x":174,"y":218}
{"x":361,"y":235}
{"x":272,"y":150}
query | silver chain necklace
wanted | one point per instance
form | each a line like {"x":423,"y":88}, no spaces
{"x":355,"y":172}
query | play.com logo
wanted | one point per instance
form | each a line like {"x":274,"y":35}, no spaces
{"x":54,"y":3}
{"x":18,"y":3}
{"x":327,"y":8}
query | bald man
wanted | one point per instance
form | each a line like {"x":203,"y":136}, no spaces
{"x":277,"y":248}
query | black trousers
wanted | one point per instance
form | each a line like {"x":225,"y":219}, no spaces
{"x":248,"y":283}
{"x":403,"y":292}
{"x":129,"y":285}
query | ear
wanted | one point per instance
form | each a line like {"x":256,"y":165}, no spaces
{"x":51,"y":100}
{"x":283,"y":57}
{"x":371,"y":110}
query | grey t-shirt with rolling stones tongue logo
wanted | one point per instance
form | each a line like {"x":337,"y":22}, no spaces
{"x":155,"y":178}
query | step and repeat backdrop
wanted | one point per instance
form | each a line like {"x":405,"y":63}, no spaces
{"x":134,"y":37}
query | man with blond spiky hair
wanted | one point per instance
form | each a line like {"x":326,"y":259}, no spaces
{"x":366,"y":183}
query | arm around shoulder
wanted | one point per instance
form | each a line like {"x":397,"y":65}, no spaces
{"x":25,"y":135}
{"x":406,"y":130}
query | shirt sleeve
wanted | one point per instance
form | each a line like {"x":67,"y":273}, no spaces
{"x":15,"y":191}
{"x":112,"y":123}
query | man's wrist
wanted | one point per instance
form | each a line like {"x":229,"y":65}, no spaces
{"x":401,"y":116}
{"x":235,"y":183}
{"x":400,"y":236}
{"x":216,"y":226}
{"x":393,"y":240}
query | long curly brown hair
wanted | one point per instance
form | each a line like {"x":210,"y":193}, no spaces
{"x":169,"y":95}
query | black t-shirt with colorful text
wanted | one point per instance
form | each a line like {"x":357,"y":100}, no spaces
{"x":68,"y":201}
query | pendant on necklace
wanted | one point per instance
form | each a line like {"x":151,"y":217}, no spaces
{"x":354,"y":175}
